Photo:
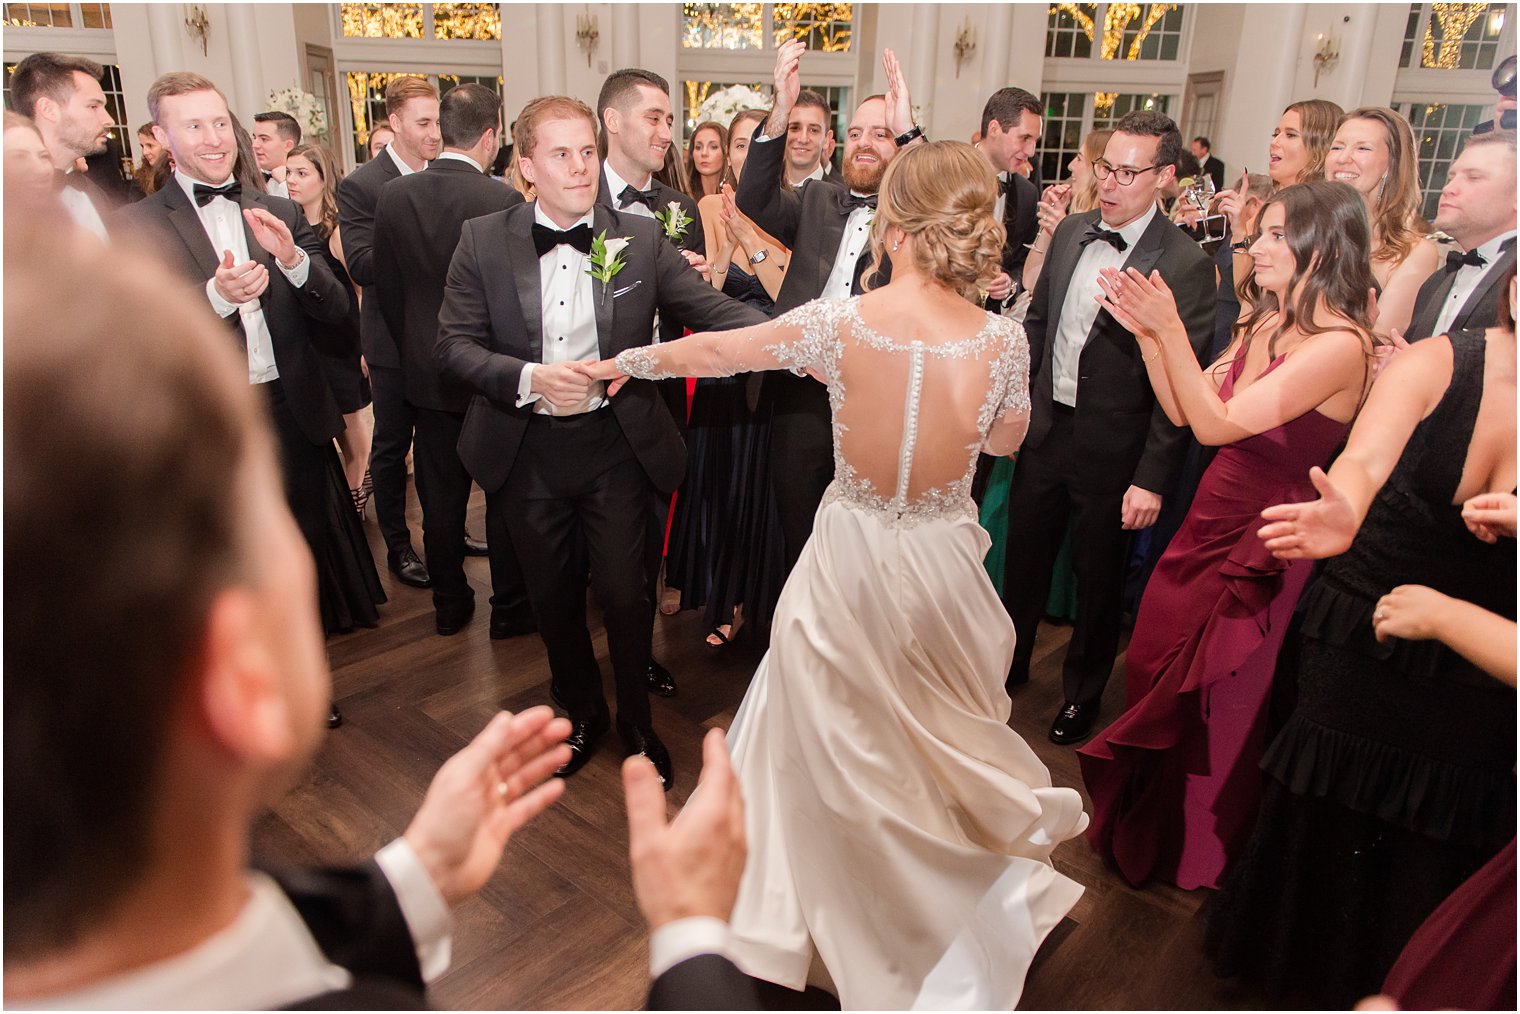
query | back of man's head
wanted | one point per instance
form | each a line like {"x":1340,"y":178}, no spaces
{"x":467,"y":112}
{"x":50,"y":75}
{"x":286,"y":124}
{"x":128,"y":432}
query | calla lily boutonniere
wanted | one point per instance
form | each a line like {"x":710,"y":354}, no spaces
{"x":675,"y":220}
{"x":606,"y":258}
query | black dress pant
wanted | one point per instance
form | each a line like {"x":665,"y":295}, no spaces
{"x":1045,"y":493}
{"x":578,"y":499}
{"x":443,"y":489}
{"x":802,"y":455}
{"x":395,"y":419}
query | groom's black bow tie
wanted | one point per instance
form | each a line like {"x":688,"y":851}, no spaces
{"x":546,"y":239}
{"x":849,"y":202}
{"x":1109,"y":236}
{"x":204,"y":194}
{"x":1456,"y":261}
{"x":648,"y":198}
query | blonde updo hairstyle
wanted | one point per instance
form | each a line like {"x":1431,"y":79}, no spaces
{"x":942,"y":193}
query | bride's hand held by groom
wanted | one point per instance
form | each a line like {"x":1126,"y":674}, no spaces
{"x":606,"y":370}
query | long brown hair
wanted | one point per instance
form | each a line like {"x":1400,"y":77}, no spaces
{"x":327,"y":168}
{"x":694,"y":178}
{"x":743,"y":117}
{"x":1325,"y":226}
{"x":1396,"y":222}
{"x":1318,"y":120}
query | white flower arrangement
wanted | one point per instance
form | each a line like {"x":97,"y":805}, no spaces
{"x":304,"y":108}
{"x":722,"y":106}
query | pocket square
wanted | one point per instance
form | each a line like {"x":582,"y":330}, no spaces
{"x":626,"y":289}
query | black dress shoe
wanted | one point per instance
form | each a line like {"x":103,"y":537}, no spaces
{"x":661,"y":683}
{"x":334,"y":717}
{"x":474,"y":547}
{"x":644,"y":742}
{"x":1074,"y":723}
{"x":408,"y":567}
{"x":452,"y":620}
{"x":505,"y":625}
{"x":585,"y":733}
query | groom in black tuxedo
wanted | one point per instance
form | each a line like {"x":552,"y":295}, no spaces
{"x":579,"y":479}
{"x":1099,"y":450}
{"x":417,"y":224}
{"x":828,"y":230}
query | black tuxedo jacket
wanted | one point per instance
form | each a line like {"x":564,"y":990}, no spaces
{"x":169,"y":220}
{"x":1123,"y":437}
{"x":1215,"y":168}
{"x":358,"y":194}
{"x":1021,"y":219}
{"x":1480,"y":310}
{"x":491,"y":326}
{"x":671,"y":326}
{"x":417,"y":224}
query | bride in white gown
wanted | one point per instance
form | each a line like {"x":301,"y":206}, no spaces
{"x":900,"y":833}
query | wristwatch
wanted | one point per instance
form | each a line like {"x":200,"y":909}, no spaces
{"x":907,"y":138}
{"x":1244,"y":246}
{"x":759,"y":257}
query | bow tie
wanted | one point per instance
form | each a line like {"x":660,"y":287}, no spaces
{"x":1456,"y":261}
{"x":1005,"y":185}
{"x":849,"y":202}
{"x":1109,"y":236}
{"x":204,"y":194}
{"x":546,"y":239}
{"x":648,"y":198}
{"x":72,"y":181}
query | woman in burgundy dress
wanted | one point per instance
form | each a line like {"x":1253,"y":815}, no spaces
{"x":1174,"y":780}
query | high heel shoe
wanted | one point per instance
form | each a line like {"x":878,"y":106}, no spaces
{"x":362,"y":494}
{"x":724,"y":640}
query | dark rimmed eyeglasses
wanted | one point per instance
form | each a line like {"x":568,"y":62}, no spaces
{"x":1103,"y":169}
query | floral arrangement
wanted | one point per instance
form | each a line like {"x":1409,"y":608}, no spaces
{"x":304,"y":108}
{"x":674,"y":220}
{"x":722,"y":106}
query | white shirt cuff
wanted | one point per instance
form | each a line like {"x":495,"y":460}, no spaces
{"x":677,"y":941}
{"x":525,"y":395}
{"x":298,"y":274}
{"x":761,"y":138}
{"x":221,"y":307}
{"x":426,"y":913}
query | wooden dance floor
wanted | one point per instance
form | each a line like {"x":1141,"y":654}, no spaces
{"x":557,"y":926}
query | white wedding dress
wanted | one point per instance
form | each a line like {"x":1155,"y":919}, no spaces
{"x":899,"y":832}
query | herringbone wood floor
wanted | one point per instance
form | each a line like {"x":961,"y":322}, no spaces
{"x":557,"y":926}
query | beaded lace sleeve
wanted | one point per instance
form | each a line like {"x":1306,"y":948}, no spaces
{"x":805,"y":338}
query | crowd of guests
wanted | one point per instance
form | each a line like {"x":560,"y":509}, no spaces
{"x":1330,"y":746}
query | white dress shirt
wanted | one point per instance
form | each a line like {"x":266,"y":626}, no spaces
{"x":816,"y":174}
{"x":267,"y":958}
{"x":222,"y":219}
{"x":568,"y":311}
{"x":677,"y":941}
{"x":1469,"y":277}
{"x":1001,"y":204}
{"x":406,"y":170}
{"x":459,"y":156}
{"x":857,"y":236}
{"x":277,"y":188}
{"x":615,"y":185}
{"x":1080,"y":309}
{"x":83,"y":211}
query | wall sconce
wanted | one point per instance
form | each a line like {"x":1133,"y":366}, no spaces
{"x":965,"y":44}
{"x":1327,"y":50}
{"x":587,"y":34}
{"x":197,"y":25}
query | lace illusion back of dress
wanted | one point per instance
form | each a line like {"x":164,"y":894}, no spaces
{"x":909,"y":416}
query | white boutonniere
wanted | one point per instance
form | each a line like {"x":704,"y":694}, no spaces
{"x":606,"y":258}
{"x":674,"y":219}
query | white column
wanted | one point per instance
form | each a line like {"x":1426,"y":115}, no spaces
{"x":625,"y":36}
{"x":998,"y":40}
{"x":166,"y":32}
{"x":551,"y":49}
{"x":246,"y":96}
{"x":921,"y":72}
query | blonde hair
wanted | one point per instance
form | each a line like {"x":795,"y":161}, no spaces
{"x":541,"y":110}
{"x":942,"y":193}
{"x":180,"y":82}
{"x":403,"y":89}
{"x":1093,"y":146}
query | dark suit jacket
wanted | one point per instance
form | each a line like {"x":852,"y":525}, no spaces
{"x":358,"y":194}
{"x":105,"y":207}
{"x":705,"y":982}
{"x":169,"y":220}
{"x":1480,"y":310}
{"x":1021,"y":219}
{"x":1215,"y":168}
{"x":1123,"y":437}
{"x":671,"y":326}
{"x":490,"y":327}
{"x":417,"y":225}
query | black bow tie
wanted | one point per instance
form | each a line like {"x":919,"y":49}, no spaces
{"x":546,"y":239}
{"x":1456,"y":261}
{"x":648,"y":198}
{"x":849,"y":202}
{"x":204,"y":194}
{"x":1109,"y":236}
{"x":1005,"y":185}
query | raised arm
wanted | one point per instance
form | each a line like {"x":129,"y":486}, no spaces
{"x":772,"y":207}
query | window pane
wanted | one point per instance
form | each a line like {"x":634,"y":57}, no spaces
{"x":1133,"y":32}
{"x":1069,"y":30}
{"x":1062,"y":132}
{"x":39,"y":16}
{"x":1460,"y":36}
{"x":467,"y":21}
{"x":824,"y":28}
{"x":95,"y":15}
{"x":382,"y":21}
{"x":1440,"y":130}
{"x":722,"y":26}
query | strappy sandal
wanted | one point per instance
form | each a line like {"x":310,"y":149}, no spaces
{"x":362,"y":494}
{"x":724,"y":640}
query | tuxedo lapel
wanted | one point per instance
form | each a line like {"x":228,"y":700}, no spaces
{"x":1486,"y":292}
{"x":1425,"y":324}
{"x":1061,"y":265}
{"x":187,"y":222}
{"x":1146,"y":252}
{"x":256,"y":253}
{"x":523,"y":260}
{"x":601,"y":224}
{"x":830,"y":235}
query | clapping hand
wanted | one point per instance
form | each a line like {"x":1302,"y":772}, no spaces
{"x":483,"y":794}
{"x":239,"y":282}
{"x":273,"y":235}
{"x":788,"y":82}
{"x":1310,"y":531}
{"x":1143,"y":306}
{"x":1490,"y":515}
{"x":899,"y":105}
{"x":1053,"y":206}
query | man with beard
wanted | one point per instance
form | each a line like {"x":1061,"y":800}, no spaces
{"x":62,"y":95}
{"x":828,"y":229}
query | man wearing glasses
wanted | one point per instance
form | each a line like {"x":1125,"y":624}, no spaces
{"x":1100,"y":452}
